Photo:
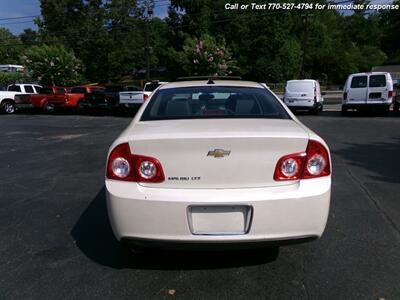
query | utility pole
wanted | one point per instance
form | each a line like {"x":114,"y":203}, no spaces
{"x":306,"y":18}
{"x":149,"y":6}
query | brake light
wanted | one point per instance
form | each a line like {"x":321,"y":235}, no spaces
{"x":125,"y":166}
{"x":145,"y":97}
{"x":315,"y":93}
{"x":304,"y":165}
{"x":345,"y":96}
{"x":390,"y":94}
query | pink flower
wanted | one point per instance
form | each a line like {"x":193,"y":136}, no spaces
{"x":195,"y":61}
{"x":210,"y":59}
{"x":201,"y":44}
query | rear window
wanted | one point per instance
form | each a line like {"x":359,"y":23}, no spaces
{"x":377,"y":81}
{"x":29,"y":89}
{"x":78,"y":90}
{"x":114,"y":89}
{"x":133,"y":89}
{"x":299,"y":86}
{"x":14,"y":88}
{"x":149,"y":87}
{"x":359,"y":82}
{"x":213,"y":102}
{"x":96,"y":90}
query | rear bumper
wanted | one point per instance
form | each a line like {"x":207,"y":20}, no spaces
{"x":131,"y":105}
{"x":366,"y":105}
{"x":95,"y":105}
{"x":304,"y":106}
{"x":161,"y":216}
{"x":210,"y":245}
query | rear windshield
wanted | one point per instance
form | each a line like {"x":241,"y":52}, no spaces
{"x":149,"y":87}
{"x":97,"y":90}
{"x":359,"y":82}
{"x":213,"y":102}
{"x":377,"y":81}
{"x":78,"y":90}
{"x":114,"y":89}
{"x":299,"y":86}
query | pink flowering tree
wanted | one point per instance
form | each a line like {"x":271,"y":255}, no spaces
{"x":204,"y":56}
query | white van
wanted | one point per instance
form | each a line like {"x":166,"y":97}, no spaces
{"x":304,"y":95}
{"x":372,"y":89}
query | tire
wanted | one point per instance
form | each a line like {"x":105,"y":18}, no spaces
{"x":80,"y":108}
{"x":396,"y":107}
{"x":384,"y":111}
{"x":8,"y":107}
{"x":315,"y":111}
{"x":49,"y":108}
{"x":344,"y":110}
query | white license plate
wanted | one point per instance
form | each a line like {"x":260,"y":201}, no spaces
{"x":219,"y":220}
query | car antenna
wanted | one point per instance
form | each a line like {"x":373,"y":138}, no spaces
{"x":210,"y":81}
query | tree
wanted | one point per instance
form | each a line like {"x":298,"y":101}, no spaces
{"x":204,"y":56}
{"x":389,"y":25}
{"x":10,"y":78}
{"x":81,"y":26}
{"x":10,"y":47}
{"x":52,"y":65}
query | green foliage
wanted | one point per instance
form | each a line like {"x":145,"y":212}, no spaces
{"x":7,"y":78}
{"x":9,"y":47}
{"x":52,"y":65}
{"x":204,"y":56}
{"x":108,"y":37}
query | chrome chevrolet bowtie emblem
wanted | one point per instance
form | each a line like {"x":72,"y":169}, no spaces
{"x":218,"y":153}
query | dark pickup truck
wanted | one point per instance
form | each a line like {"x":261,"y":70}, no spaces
{"x":108,"y":98}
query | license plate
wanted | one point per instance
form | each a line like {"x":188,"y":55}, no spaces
{"x":219,"y":220}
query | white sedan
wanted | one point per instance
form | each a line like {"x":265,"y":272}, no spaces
{"x":217,"y":162}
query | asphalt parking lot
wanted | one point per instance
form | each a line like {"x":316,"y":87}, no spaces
{"x":56,"y":243}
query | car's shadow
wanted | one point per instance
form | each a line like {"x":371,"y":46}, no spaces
{"x":94,"y":237}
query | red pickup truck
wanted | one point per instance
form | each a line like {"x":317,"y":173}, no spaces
{"x":50,"y":98}
{"x":47,"y":99}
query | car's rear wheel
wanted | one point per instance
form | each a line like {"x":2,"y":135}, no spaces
{"x":80,"y":107}
{"x":396,"y":106}
{"x":49,"y":108}
{"x":344,"y":110}
{"x":8,"y":107}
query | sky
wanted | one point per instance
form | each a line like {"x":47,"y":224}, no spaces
{"x":30,"y":8}
{"x":24,"y":8}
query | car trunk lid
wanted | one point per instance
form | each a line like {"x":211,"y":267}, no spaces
{"x":218,"y":153}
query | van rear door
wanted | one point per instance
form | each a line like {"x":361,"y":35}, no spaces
{"x":357,"y":93}
{"x":377,"y":89}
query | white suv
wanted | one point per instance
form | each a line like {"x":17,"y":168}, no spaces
{"x":7,"y":97}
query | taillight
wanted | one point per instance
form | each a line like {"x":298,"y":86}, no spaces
{"x":390,"y":94}
{"x":125,"y":166}
{"x":345,"y":96}
{"x":145,"y":97}
{"x":315,"y":94}
{"x":310,"y":164}
{"x":290,"y":167}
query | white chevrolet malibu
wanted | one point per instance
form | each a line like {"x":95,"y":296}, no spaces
{"x":217,"y":162}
